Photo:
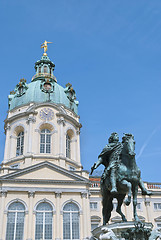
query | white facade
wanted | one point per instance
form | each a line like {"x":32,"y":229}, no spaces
{"x":45,"y":194}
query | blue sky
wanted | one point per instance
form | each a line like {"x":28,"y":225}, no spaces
{"x":109,"y":50}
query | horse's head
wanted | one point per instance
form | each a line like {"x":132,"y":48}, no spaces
{"x":129,"y":143}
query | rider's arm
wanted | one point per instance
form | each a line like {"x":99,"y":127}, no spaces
{"x":99,"y":162}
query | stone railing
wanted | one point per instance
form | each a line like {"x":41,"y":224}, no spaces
{"x":153,"y":185}
{"x":95,"y":183}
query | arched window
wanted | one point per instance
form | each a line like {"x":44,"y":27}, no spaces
{"x":45,"y":69}
{"x":20,"y":144}
{"x":39,"y":69}
{"x":71,"y":222}
{"x":15,"y":221}
{"x":45,"y":141}
{"x":68,"y":146}
{"x":44,"y":218}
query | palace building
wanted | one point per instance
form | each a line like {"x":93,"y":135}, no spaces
{"x":44,"y":192}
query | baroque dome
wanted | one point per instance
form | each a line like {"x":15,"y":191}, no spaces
{"x":43,"y":88}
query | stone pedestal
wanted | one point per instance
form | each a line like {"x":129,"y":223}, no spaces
{"x":125,"y":230}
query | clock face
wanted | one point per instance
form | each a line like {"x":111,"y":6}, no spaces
{"x":46,"y":114}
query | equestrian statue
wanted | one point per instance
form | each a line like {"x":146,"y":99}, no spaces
{"x":121,"y":175}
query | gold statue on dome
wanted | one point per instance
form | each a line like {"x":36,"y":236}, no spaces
{"x":45,"y":46}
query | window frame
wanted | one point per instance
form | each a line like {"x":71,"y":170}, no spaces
{"x":44,"y":220}
{"x":68,"y":146}
{"x":20,"y":143}
{"x":92,"y":204}
{"x":45,"y":144}
{"x":70,"y":223}
{"x":156,"y":206}
{"x":15,"y":216}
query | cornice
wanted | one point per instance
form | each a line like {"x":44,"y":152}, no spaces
{"x":45,"y":181}
{"x":44,"y":189}
{"x":69,"y":118}
{"x":43,"y":157}
{"x":37,"y":105}
{"x":49,"y":165}
{"x":19,"y":115}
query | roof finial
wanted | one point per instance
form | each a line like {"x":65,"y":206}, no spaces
{"x":45,"y":46}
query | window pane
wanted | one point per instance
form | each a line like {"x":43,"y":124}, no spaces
{"x":42,"y":148}
{"x":20,"y":144}
{"x":48,"y":225}
{"x":94,"y":225}
{"x":66,"y":226}
{"x":47,"y":148}
{"x":68,"y":150}
{"x":15,"y":221}
{"x":44,"y":207}
{"x":48,"y":138}
{"x":71,"y":222}
{"x":10,"y":226}
{"x":20,"y":225}
{"x":39,"y":226}
{"x":42,"y":138}
{"x":44,"y":218}
{"x":75,"y":225}
{"x":16,"y":206}
{"x":45,"y":141}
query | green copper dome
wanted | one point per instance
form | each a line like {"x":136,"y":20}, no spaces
{"x":43,"y":88}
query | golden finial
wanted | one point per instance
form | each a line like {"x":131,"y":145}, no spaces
{"x":45,"y":46}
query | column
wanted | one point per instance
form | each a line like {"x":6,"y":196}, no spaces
{"x":78,"y":146}
{"x":148,"y":209}
{"x":85,"y":214}
{"x":2,"y":206}
{"x":31,"y":195}
{"x":58,"y":222}
{"x":61,"y":122}
{"x":31,"y":119}
{"x":7,"y":142}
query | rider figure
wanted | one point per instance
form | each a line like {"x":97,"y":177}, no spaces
{"x":109,"y":157}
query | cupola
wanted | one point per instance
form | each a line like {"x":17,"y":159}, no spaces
{"x":43,"y":87}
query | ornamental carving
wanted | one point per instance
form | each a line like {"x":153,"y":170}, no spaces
{"x":47,"y":85}
{"x":70,"y":92}
{"x":21,"y":88}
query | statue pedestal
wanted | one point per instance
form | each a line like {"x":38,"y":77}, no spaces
{"x":125,"y":230}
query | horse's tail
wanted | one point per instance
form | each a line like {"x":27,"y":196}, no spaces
{"x":106,"y":200}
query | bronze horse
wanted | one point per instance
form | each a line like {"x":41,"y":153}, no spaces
{"x":127,"y":179}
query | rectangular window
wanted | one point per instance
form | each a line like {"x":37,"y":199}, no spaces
{"x":68,"y":147}
{"x":94,"y":225}
{"x":139,"y":206}
{"x":45,"y":69}
{"x":93,"y":205}
{"x":15,"y":166}
{"x":71,"y":168}
{"x":157,"y":206}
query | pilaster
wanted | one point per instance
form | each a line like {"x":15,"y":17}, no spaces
{"x":3,"y":195}
{"x":58,"y":220}
{"x":84,"y":197}
{"x":31,"y":195}
{"x":61,"y":123}
{"x":31,"y":119}
{"x":7,"y":142}
{"x":147,"y":207}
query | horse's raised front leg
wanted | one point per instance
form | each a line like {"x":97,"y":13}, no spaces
{"x":120,"y":199}
{"x":128,"y":186}
{"x":135,"y":192}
